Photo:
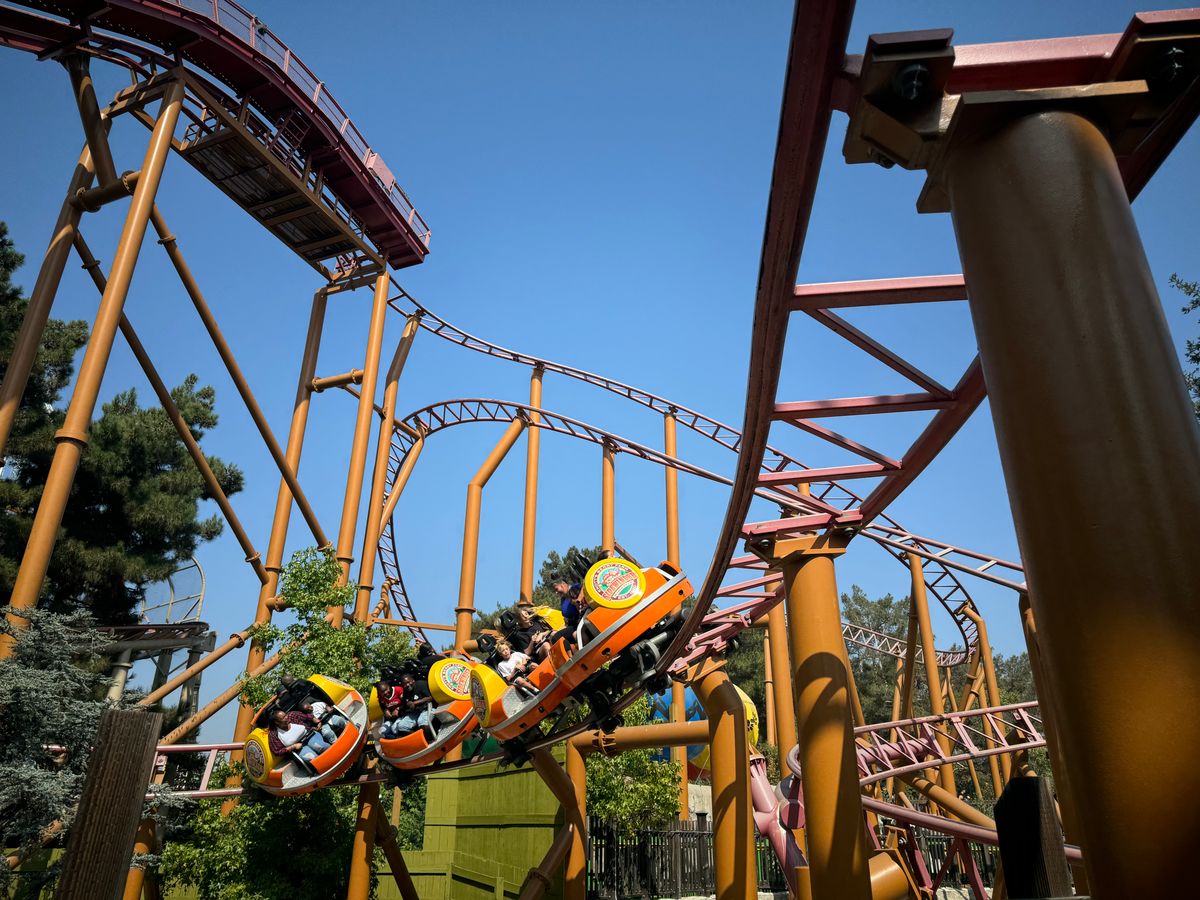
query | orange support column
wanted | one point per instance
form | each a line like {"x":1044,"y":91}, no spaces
{"x":529,"y":531}
{"x":383,"y":450}
{"x":72,"y":438}
{"x":575,"y":882}
{"x":837,"y":848}
{"x":362,"y":437}
{"x":470,"y":555}
{"x":678,"y":691}
{"x":937,"y":706}
{"x":359,"y":886}
{"x":20,"y":363}
{"x":733,"y":818}
{"x":1099,"y":446}
{"x":781,"y":673}
{"x":608,"y":518}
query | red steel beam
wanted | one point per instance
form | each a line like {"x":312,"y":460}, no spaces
{"x":859,"y":406}
{"x":879,"y":292}
{"x":808,"y":476}
{"x":844,"y":442}
{"x":968,"y":394}
{"x":883,"y":354}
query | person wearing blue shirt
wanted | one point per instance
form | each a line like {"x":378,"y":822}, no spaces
{"x":571,"y":611}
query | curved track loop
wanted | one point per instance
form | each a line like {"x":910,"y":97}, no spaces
{"x":940,"y":579}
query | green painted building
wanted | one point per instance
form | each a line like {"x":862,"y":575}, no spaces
{"x":485,"y":828}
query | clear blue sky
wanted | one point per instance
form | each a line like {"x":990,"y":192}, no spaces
{"x":596,"y":179}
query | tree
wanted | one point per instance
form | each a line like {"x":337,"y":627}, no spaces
{"x":632,"y":789}
{"x":291,"y":848}
{"x":1191,"y":290}
{"x":353,"y":653}
{"x":875,"y":672}
{"x":48,"y":694}
{"x":134,"y":507}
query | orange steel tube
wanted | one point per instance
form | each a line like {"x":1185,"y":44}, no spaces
{"x":672,"y":476}
{"x":529,"y":529}
{"x":1062,"y":786}
{"x":608,"y":539}
{"x":143,"y":843}
{"x":470,"y":556}
{"x":383,"y":449}
{"x":406,"y":468}
{"x":989,"y":696}
{"x":570,"y":789}
{"x":642,"y":737}
{"x":283,"y":500}
{"x":78,"y":68}
{"x":362,"y":437}
{"x":575,"y":879}
{"x":172,"y":411}
{"x":540,"y":877}
{"x":936,"y":703}
{"x":92,"y":199}
{"x":359,"y":887}
{"x":769,"y":694}
{"x":837,"y":852}
{"x":781,"y":670}
{"x":678,"y":695}
{"x":1099,"y":444}
{"x":72,"y":437}
{"x":946,"y":800}
{"x":679,"y":754}
{"x":236,"y":641}
{"x":354,"y":376}
{"x":733,"y":818}
{"x":385,"y":837}
{"x":170,"y":244}
{"x":24,"y":354}
{"x":954,"y":708}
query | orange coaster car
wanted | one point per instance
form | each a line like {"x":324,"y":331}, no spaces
{"x":622,"y":636}
{"x":289,"y":774}
{"x":452,"y":719}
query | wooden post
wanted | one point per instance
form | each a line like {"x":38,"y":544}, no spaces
{"x":101,"y":841}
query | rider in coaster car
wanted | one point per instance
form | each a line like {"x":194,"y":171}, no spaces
{"x":391,"y":700}
{"x":426,"y":657}
{"x":572,"y":609}
{"x":331,"y":725}
{"x":416,"y":705}
{"x":295,"y":732}
{"x":513,"y":667}
{"x":527,"y":633}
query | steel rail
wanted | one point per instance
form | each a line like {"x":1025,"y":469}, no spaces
{"x":916,"y":747}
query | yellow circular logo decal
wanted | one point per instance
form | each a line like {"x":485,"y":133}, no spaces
{"x":479,"y":699}
{"x":254,"y":759}
{"x":450,"y":680}
{"x":614,"y":583}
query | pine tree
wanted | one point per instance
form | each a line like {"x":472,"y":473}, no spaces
{"x":50,"y":697}
{"x":134,"y":510}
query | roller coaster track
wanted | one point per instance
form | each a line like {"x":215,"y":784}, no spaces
{"x":719,"y":627}
{"x":299,"y":122}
